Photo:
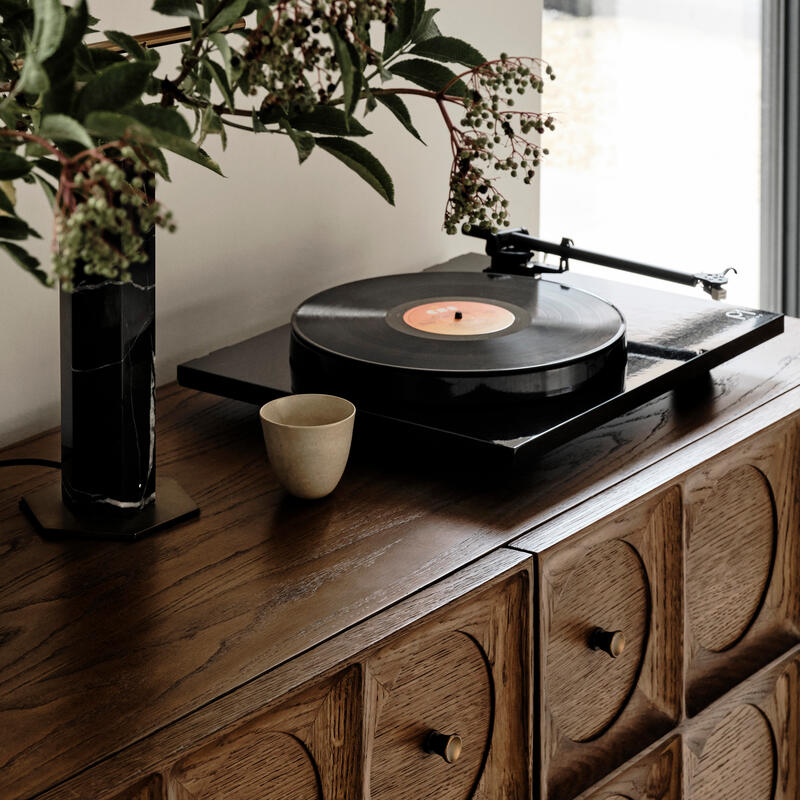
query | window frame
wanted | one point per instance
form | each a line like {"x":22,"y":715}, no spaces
{"x":780,"y":156}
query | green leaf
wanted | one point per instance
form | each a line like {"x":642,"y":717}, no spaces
{"x":26,"y":261}
{"x":426,"y":27}
{"x":304,"y":142}
{"x":115,"y":87}
{"x":449,"y":49}
{"x":161,"y":166}
{"x":154,"y":115}
{"x":60,"y":67}
{"x":430,"y":75}
{"x":361,"y":161}
{"x":127,"y":43}
{"x":34,"y":78}
{"x":12,"y":166}
{"x":212,"y":123}
{"x":60,"y":127}
{"x":49,"y":190}
{"x":350,"y":68}
{"x":218,"y":74}
{"x":50,"y":166}
{"x":227,"y":16}
{"x":177,"y":8}
{"x":396,"y":105}
{"x":221,"y":43}
{"x":48,"y":27}
{"x":327,"y":120}
{"x":112,"y":125}
{"x":16,"y":228}
{"x":408,"y":12}
{"x":6,"y":204}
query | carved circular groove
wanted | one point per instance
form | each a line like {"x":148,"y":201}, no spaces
{"x":258,"y":765}
{"x":730,"y":557}
{"x":443,"y":686}
{"x":738,"y":759}
{"x":587,"y":688}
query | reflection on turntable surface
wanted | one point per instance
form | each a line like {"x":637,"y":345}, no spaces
{"x":672,"y":339}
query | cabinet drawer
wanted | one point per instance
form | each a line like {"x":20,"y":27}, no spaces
{"x":352,"y":718}
{"x":742,"y":562}
{"x":746,"y":745}
{"x":307,"y":749}
{"x":654,"y":776}
{"x":451,"y":710}
{"x":609,"y":642}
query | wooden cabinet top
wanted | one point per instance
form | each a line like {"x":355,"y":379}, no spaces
{"x":102,"y":643}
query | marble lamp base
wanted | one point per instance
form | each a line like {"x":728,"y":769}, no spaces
{"x":52,"y":518}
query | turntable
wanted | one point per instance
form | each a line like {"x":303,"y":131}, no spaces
{"x":501,"y":360}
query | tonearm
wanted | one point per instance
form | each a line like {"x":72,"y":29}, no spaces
{"x":512,"y":253}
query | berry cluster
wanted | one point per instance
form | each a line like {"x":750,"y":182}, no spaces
{"x":104,"y":209}
{"x":290,"y":55}
{"x":493,"y":135}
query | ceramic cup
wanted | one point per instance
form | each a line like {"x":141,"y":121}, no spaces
{"x":308,"y":440}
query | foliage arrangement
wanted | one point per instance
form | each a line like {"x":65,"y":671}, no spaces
{"x":91,"y":125}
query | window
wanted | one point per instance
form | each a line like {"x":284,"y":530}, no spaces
{"x":657,"y":152}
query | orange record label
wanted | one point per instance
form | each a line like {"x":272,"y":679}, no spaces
{"x":459,"y":317}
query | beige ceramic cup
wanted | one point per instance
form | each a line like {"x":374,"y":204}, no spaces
{"x":308,"y":440}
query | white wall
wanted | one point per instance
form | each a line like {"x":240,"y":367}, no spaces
{"x":250,"y":247}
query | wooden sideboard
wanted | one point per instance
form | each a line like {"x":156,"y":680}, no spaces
{"x":620,"y":621}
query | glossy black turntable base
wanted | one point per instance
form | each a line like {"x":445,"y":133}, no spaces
{"x":672,"y":340}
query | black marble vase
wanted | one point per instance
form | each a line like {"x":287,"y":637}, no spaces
{"x":108,"y":392}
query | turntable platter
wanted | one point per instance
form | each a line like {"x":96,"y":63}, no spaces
{"x":438,"y":337}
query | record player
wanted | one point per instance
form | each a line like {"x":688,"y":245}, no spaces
{"x":506,"y":359}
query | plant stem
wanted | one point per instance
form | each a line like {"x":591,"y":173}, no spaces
{"x":32,"y":137}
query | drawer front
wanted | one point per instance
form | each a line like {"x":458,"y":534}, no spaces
{"x":306,"y":750}
{"x":610,"y":643}
{"x":451,"y":705}
{"x":657,"y":775}
{"x":443,"y":684}
{"x":587,"y":687}
{"x":746,"y":745}
{"x":742,"y":563}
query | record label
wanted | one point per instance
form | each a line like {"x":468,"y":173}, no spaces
{"x":458,"y":317}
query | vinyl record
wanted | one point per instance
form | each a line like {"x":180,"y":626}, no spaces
{"x":439,"y":337}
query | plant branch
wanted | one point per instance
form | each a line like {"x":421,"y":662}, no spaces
{"x":32,"y":137}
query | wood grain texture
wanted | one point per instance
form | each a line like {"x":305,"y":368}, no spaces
{"x":266,"y":766}
{"x":741,"y":519}
{"x":656,"y":775}
{"x":493,"y":592}
{"x":307,"y":749}
{"x":149,"y":788}
{"x":738,"y":760}
{"x":587,"y":688}
{"x":188,"y":616}
{"x":468,"y":673}
{"x":444,"y":686}
{"x":746,"y":744}
{"x":646,"y":540}
{"x":729,"y":557}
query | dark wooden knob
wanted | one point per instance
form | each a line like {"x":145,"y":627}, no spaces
{"x":611,"y":642}
{"x":448,"y":746}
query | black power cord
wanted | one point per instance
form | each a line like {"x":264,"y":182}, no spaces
{"x":29,"y":462}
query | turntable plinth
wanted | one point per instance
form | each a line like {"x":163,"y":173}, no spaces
{"x":275,"y":648}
